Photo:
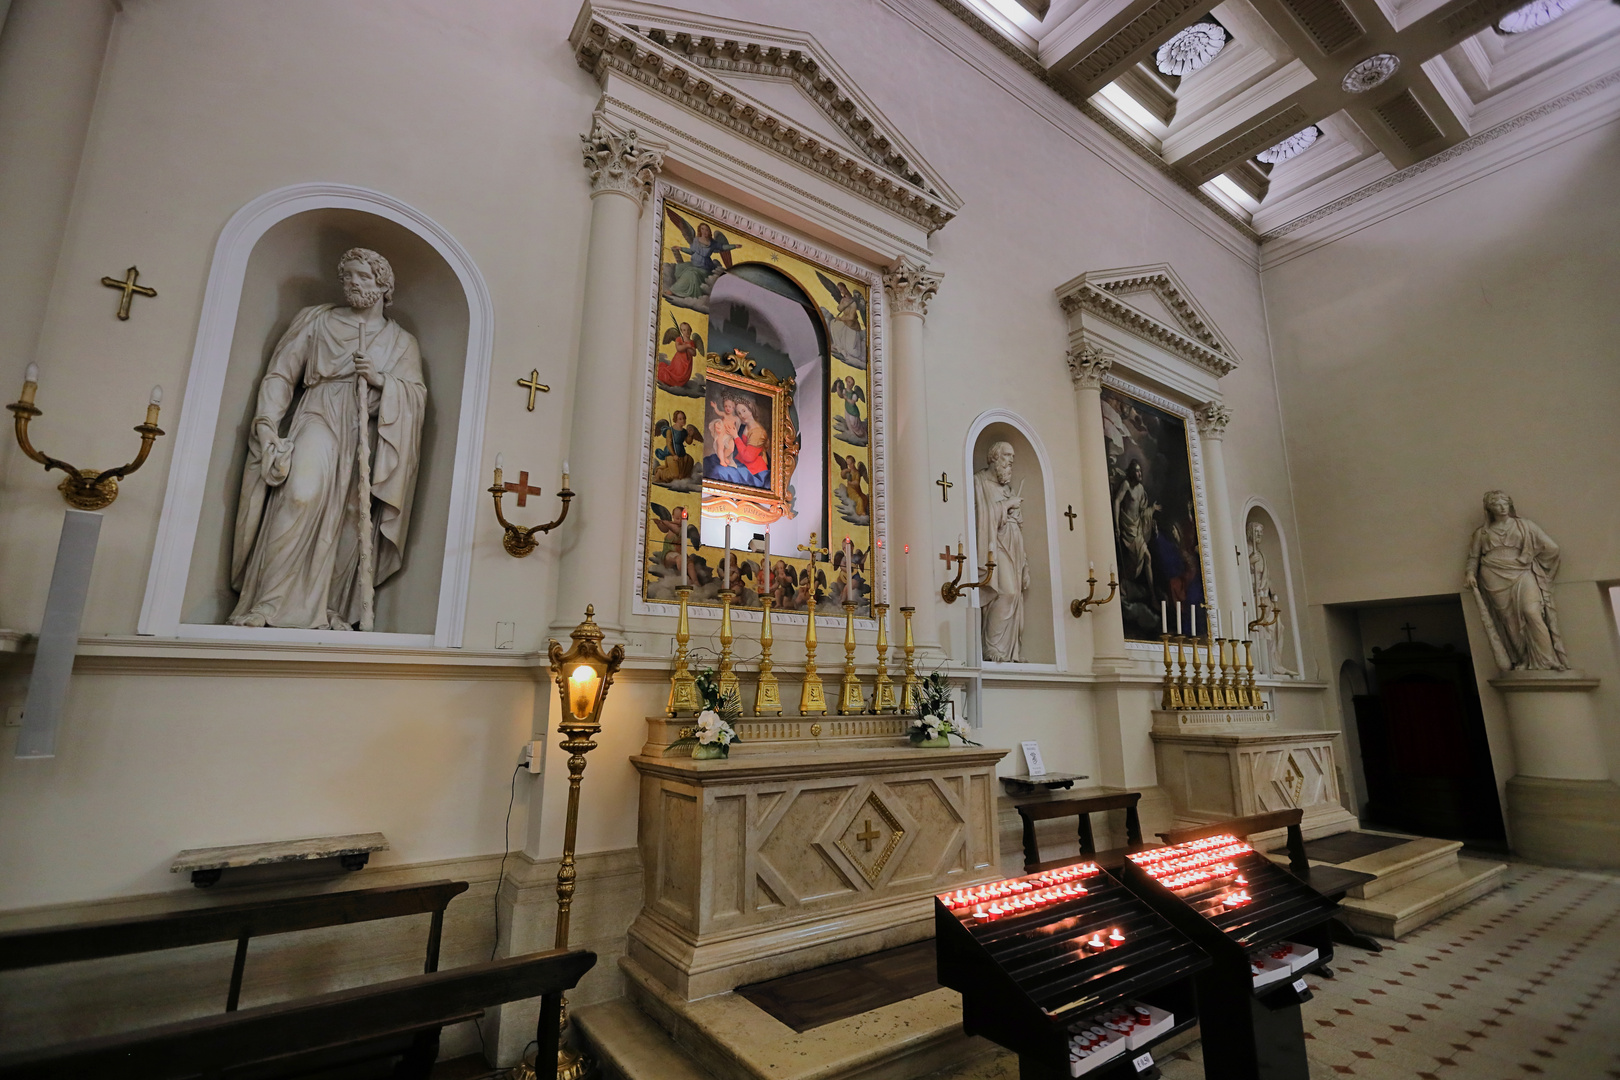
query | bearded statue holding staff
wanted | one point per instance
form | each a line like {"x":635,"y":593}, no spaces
{"x":325,"y":508}
{"x":1511,"y":566}
{"x":998,"y":512}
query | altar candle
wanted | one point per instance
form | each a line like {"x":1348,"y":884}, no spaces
{"x":877,"y":573}
{"x":765,"y":573}
{"x":500,"y":463}
{"x":155,"y":402}
{"x":1164,"y":616}
{"x":725,"y":582}
{"x":849,"y":566}
{"x":906,"y":599}
{"x":1178,"y":618}
{"x":1245,"y":620}
{"x":683,"y":546}
{"x":30,"y":383}
{"x":1192,"y":613}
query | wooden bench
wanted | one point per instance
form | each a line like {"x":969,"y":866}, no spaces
{"x":1330,"y":881}
{"x":387,"y":1029}
{"x":231,"y":922}
{"x":1082,"y":809}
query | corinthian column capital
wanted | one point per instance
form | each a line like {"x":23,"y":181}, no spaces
{"x":1212,"y":420}
{"x":618,"y":162}
{"x":911,"y":286}
{"x":1087,"y":366}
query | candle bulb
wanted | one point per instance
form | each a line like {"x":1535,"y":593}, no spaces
{"x":877,"y":573}
{"x":30,"y":383}
{"x":725,"y":582}
{"x":1178,"y":618}
{"x":565,"y":474}
{"x":154,"y":403}
{"x":1192,"y":614}
{"x":906,"y":598}
{"x":683,"y":546}
{"x":500,"y":463}
{"x":1164,"y":616}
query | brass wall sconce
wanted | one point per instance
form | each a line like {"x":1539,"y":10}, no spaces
{"x":519,"y":542}
{"x":956,"y":587}
{"x":1078,"y":608}
{"x":84,"y":489}
{"x":1269,"y":613}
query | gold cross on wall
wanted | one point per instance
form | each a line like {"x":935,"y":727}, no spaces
{"x":534,"y":386}
{"x":944,"y":484}
{"x":130,"y":289}
{"x":522,"y":488}
{"x":1071,"y":515}
{"x":869,"y":835}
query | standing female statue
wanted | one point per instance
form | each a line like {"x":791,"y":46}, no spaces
{"x":1511,"y":565}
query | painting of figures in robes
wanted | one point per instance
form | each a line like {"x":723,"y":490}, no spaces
{"x":1155,"y":512}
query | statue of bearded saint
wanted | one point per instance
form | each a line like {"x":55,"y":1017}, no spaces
{"x":326,"y":496}
{"x":999,"y":517}
{"x":1511,"y":566}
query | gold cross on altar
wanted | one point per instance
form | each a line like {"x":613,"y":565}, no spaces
{"x":869,"y":835}
{"x":522,"y":488}
{"x":130,"y":289}
{"x":1071,"y":515}
{"x":944,"y":484}
{"x":534,"y":386}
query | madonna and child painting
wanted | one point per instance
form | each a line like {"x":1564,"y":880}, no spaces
{"x":737,"y":437}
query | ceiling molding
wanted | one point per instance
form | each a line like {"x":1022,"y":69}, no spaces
{"x":1100,"y":293}
{"x":688,"y":59}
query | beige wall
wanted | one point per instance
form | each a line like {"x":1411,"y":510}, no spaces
{"x":1464,"y":344}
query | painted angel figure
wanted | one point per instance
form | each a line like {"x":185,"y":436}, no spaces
{"x":675,"y":460}
{"x":847,"y":326}
{"x":676,"y":369}
{"x":854,"y":503}
{"x":708,"y":255}
{"x":669,"y":529}
{"x":850,"y":427}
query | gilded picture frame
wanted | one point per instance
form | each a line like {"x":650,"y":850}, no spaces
{"x":751,"y":491}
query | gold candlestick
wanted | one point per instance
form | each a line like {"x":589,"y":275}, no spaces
{"x":851,"y":698}
{"x":1255,"y":700}
{"x":812,"y":699}
{"x":1206,"y":693}
{"x":1171,"y":698}
{"x":1200,"y":686}
{"x":683,"y":695}
{"x":728,"y":677}
{"x":883,"y":700}
{"x":910,"y":686}
{"x":1217,"y":692}
{"x":768,"y":697}
{"x":1240,"y":689}
{"x":1184,"y":693}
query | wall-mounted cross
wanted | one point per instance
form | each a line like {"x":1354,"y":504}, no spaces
{"x":130,"y":289}
{"x":522,"y":488}
{"x":534,"y":386}
{"x":947,"y":558}
{"x":869,"y":835}
{"x":1409,"y":628}
{"x":944,"y":484}
{"x":1071,"y":515}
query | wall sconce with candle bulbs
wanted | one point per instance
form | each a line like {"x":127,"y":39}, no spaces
{"x":519,"y":542}
{"x":1079,"y":607}
{"x":957,"y":587}
{"x":84,"y":489}
{"x":583,"y":675}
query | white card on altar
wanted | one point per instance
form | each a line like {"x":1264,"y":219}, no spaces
{"x":1032,"y":758}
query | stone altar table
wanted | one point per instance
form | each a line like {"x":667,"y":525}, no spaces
{"x":1225,"y":763}
{"x":819,"y":839}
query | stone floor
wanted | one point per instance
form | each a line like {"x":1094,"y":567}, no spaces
{"x":1522,"y":983}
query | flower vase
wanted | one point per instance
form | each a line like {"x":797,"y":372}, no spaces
{"x":710,"y":751}
{"x":937,"y":742}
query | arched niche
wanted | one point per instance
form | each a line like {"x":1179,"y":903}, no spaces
{"x":1043,"y":637}
{"x":276,"y":256}
{"x":1273,"y":546}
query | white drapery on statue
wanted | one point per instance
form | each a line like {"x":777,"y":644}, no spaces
{"x":296,"y":559}
{"x":999,"y":516}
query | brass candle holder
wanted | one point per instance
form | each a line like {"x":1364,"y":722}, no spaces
{"x":956,"y":587}
{"x":911,"y":685}
{"x":851,"y":698}
{"x":683,"y":692}
{"x":728,"y":676}
{"x":519,"y":541}
{"x":1079,"y":607}
{"x":1255,"y":700}
{"x":883,"y":699}
{"x":84,"y":489}
{"x":812,"y":698}
{"x":768,"y":695}
{"x":1199,"y":687}
{"x":1189,"y":697}
{"x":1207,"y":694}
{"x":1171,"y":696}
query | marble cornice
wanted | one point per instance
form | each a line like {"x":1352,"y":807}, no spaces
{"x":1195,"y":341}
{"x":746,"y":768}
{"x":689,"y":69}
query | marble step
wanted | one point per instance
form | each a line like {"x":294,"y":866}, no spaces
{"x":1402,"y":865}
{"x":630,"y":1046}
{"x":730,"y":1038}
{"x":1398,"y":911}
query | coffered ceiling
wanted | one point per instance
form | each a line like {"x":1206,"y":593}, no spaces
{"x":1282,"y":106}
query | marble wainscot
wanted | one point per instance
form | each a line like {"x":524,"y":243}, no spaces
{"x":818,"y":840}
{"x":1225,"y":763}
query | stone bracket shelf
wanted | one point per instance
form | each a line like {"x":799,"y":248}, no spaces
{"x":208,"y":864}
{"x":1052,"y":781}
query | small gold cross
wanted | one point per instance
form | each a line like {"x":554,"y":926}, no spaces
{"x":130,"y":289}
{"x":1071,"y":515}
{"x":944,"y":484}
{"x":869,"y":835}
{"x":534,"y":386}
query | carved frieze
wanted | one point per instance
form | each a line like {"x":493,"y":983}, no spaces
{"x":1101,"y":296}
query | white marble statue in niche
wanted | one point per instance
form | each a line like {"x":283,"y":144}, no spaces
{"x":1267,"y":639}
{"x":326,"y":497}
{"x":1511,"y":566}
{"x":999,"y":518}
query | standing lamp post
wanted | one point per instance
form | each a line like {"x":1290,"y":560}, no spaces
{"x":583,"y":675}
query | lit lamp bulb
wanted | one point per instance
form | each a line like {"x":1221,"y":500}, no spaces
{"x":500,"y":463}
{"x":153,"y":405}
{"x":582,"y":683}
{"x":30,"y":383}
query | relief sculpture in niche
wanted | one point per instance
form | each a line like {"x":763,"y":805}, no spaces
{"x":326,"y":495}
{"x":999,"y":514}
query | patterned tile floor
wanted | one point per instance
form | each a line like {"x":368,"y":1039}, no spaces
{"x":1519,"y":984}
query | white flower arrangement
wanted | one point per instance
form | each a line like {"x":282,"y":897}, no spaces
{"x":712,"y":730}
{"x":930,"y":726}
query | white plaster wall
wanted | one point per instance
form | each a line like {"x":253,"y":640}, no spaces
{"x":1464,"y":344}
{"x":472,"y":114}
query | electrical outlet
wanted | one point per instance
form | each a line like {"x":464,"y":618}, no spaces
{"x":533,"y":755}
{"x":13,"y":716}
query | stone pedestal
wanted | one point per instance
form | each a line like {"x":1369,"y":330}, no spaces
{"x":787,"y":856}
{"x":1562,"y":806}
{"x":1218,"y":764}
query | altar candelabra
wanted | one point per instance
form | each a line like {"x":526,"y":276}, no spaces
{"x":812,"y":697}
{"x":729,"y":684}
{"x":683,"y":692}
{"x":1171,"y":697}
{"x":911,"y":685}
{"x":768,"y":694}
{"x":883,"y":699}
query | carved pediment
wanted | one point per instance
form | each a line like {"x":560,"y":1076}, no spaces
{"x":1152,"y":303}
{"x":737,"y":75}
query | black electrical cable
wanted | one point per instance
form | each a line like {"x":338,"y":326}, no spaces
{"x":500,"y":878}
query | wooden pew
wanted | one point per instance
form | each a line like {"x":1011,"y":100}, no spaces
{"x":231,"y":922}
{"x":1082,"y":809}
{"x":387,"y":1029}
{"x":1330,"y":881}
